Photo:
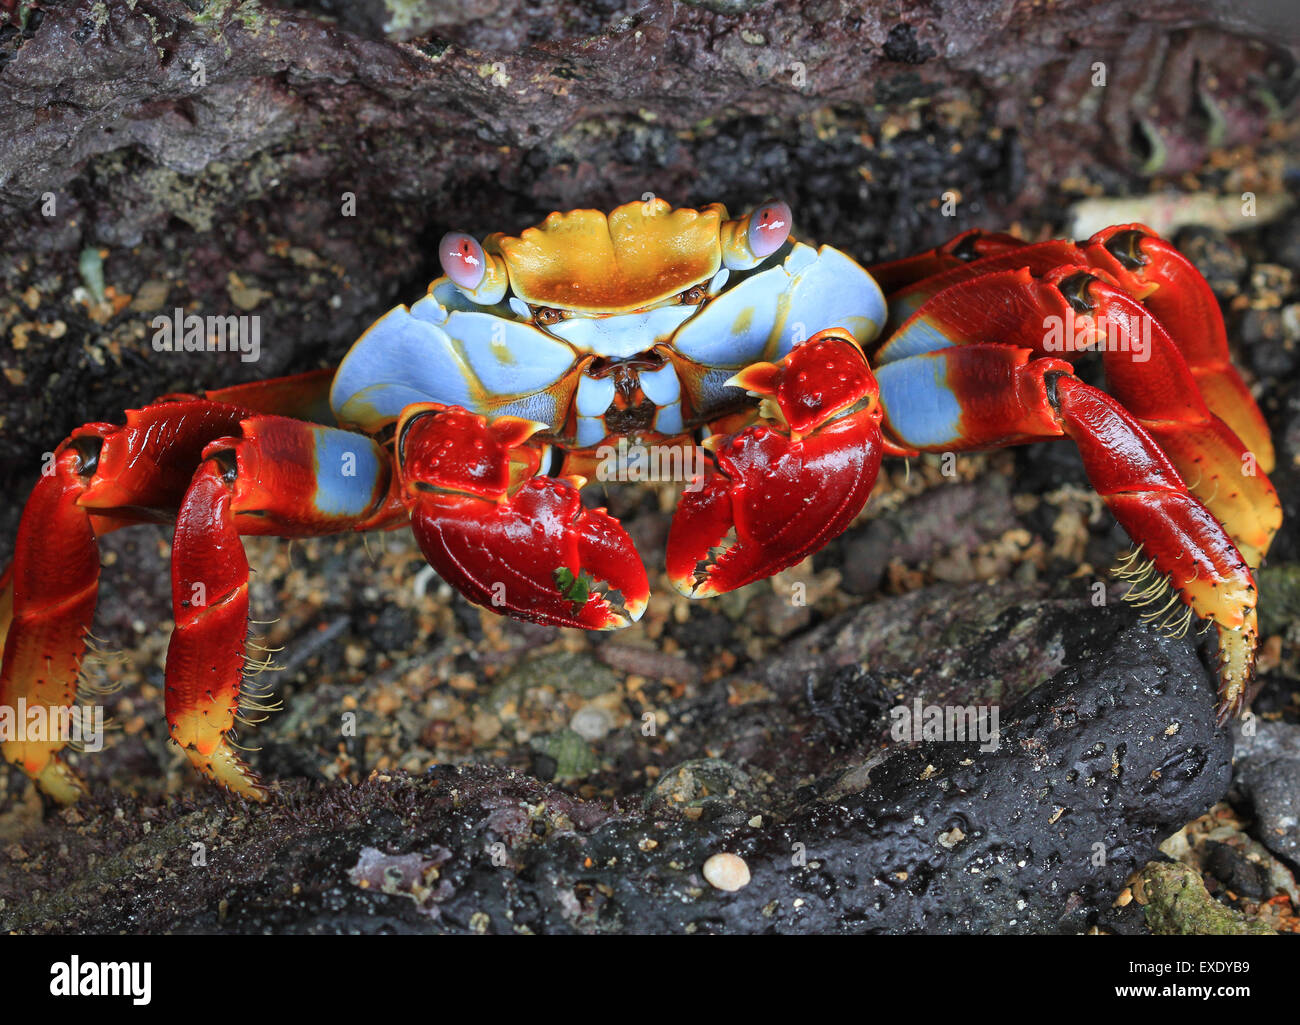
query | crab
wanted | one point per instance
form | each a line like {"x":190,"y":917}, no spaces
{"x":477,"y":414}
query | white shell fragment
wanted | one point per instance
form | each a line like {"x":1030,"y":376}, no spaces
{"x":726,"y":872}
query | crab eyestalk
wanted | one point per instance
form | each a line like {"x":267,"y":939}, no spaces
{"x":749,"y":241}
{"x":477,"y":272}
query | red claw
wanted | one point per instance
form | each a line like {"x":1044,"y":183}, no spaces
{"x":529,"y":548}
{"x":785,"y":487}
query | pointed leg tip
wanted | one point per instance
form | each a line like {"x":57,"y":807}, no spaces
{"x":59,"y":782}
{"x":52,"y":775}
{"x":635,"y":608}
{"x":224,"y":767}
{"x":1236,"y":668}
{"x":617,"y":615}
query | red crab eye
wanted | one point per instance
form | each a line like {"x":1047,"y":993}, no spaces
{"x":462,"y":259}
{"x":769,"y":227}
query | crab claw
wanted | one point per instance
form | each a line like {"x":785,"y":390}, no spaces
{"x":787,"y":485}
{"x":516,"y":543}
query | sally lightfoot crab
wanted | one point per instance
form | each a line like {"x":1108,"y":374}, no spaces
{"x":477,"y":414}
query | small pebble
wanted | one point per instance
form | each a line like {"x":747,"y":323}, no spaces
{"x":591,"y":722}
{"x":726,"y":872}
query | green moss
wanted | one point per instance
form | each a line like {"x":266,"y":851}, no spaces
{"x":1179,"y":905}
{"x":248,"y":13}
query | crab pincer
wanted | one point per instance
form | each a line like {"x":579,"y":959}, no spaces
{"x":507,"y":538}
{"x":786,"y":485}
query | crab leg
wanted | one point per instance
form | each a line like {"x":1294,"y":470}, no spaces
{"x":1131,"y":256}
{"x":515,"y":542}
{"x":956,"y":252}
{"x":1149,"y":376}
{"x":53,"y":582}
{"x":278,"y":476}
{"x":984,"y":396}
{"x":788,"y":484}
{"x":1069,"y":311}
{"x":1150,"y":268}
{"x":102,"y":478}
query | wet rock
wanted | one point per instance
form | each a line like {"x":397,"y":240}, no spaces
{"x":1265,"y":344}
{"x":1267,"y":776}
{"x":851,"y":701}
{"x":706,"y":789}
{"x":1283,"y":239}
{"x":957,"y":516}
{"x":1238,"y":874}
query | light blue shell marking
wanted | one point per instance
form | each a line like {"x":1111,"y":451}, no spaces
{"x":920,"y":408}
{"x":461,"y":357}
{"x":763,"y":316}
{"x":348,"y":468}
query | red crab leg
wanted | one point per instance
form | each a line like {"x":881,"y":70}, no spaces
{"x":1145,"y":265}
{"x":788,"y":484}
{"x":983,"y":396}
{"x":1149,"y":267}
{"x":281,"y":477}
{"x":1069,"y":311}
{"x":958,"y":250}
{"x":103,"y":477}
{"x":507,"y":539}
{"x":1039,"y":258}
{"x":54,"y":577}
{"x":1149,"y":376}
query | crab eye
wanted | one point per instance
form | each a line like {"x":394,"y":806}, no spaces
{"x":462,"y":259}
{"x":769,"y":227}
{"x":693,"y":296}
{"x":547,"y":316}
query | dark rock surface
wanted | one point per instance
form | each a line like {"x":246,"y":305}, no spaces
{"x":1267,"y":771}
{"x":1091,"y":771}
